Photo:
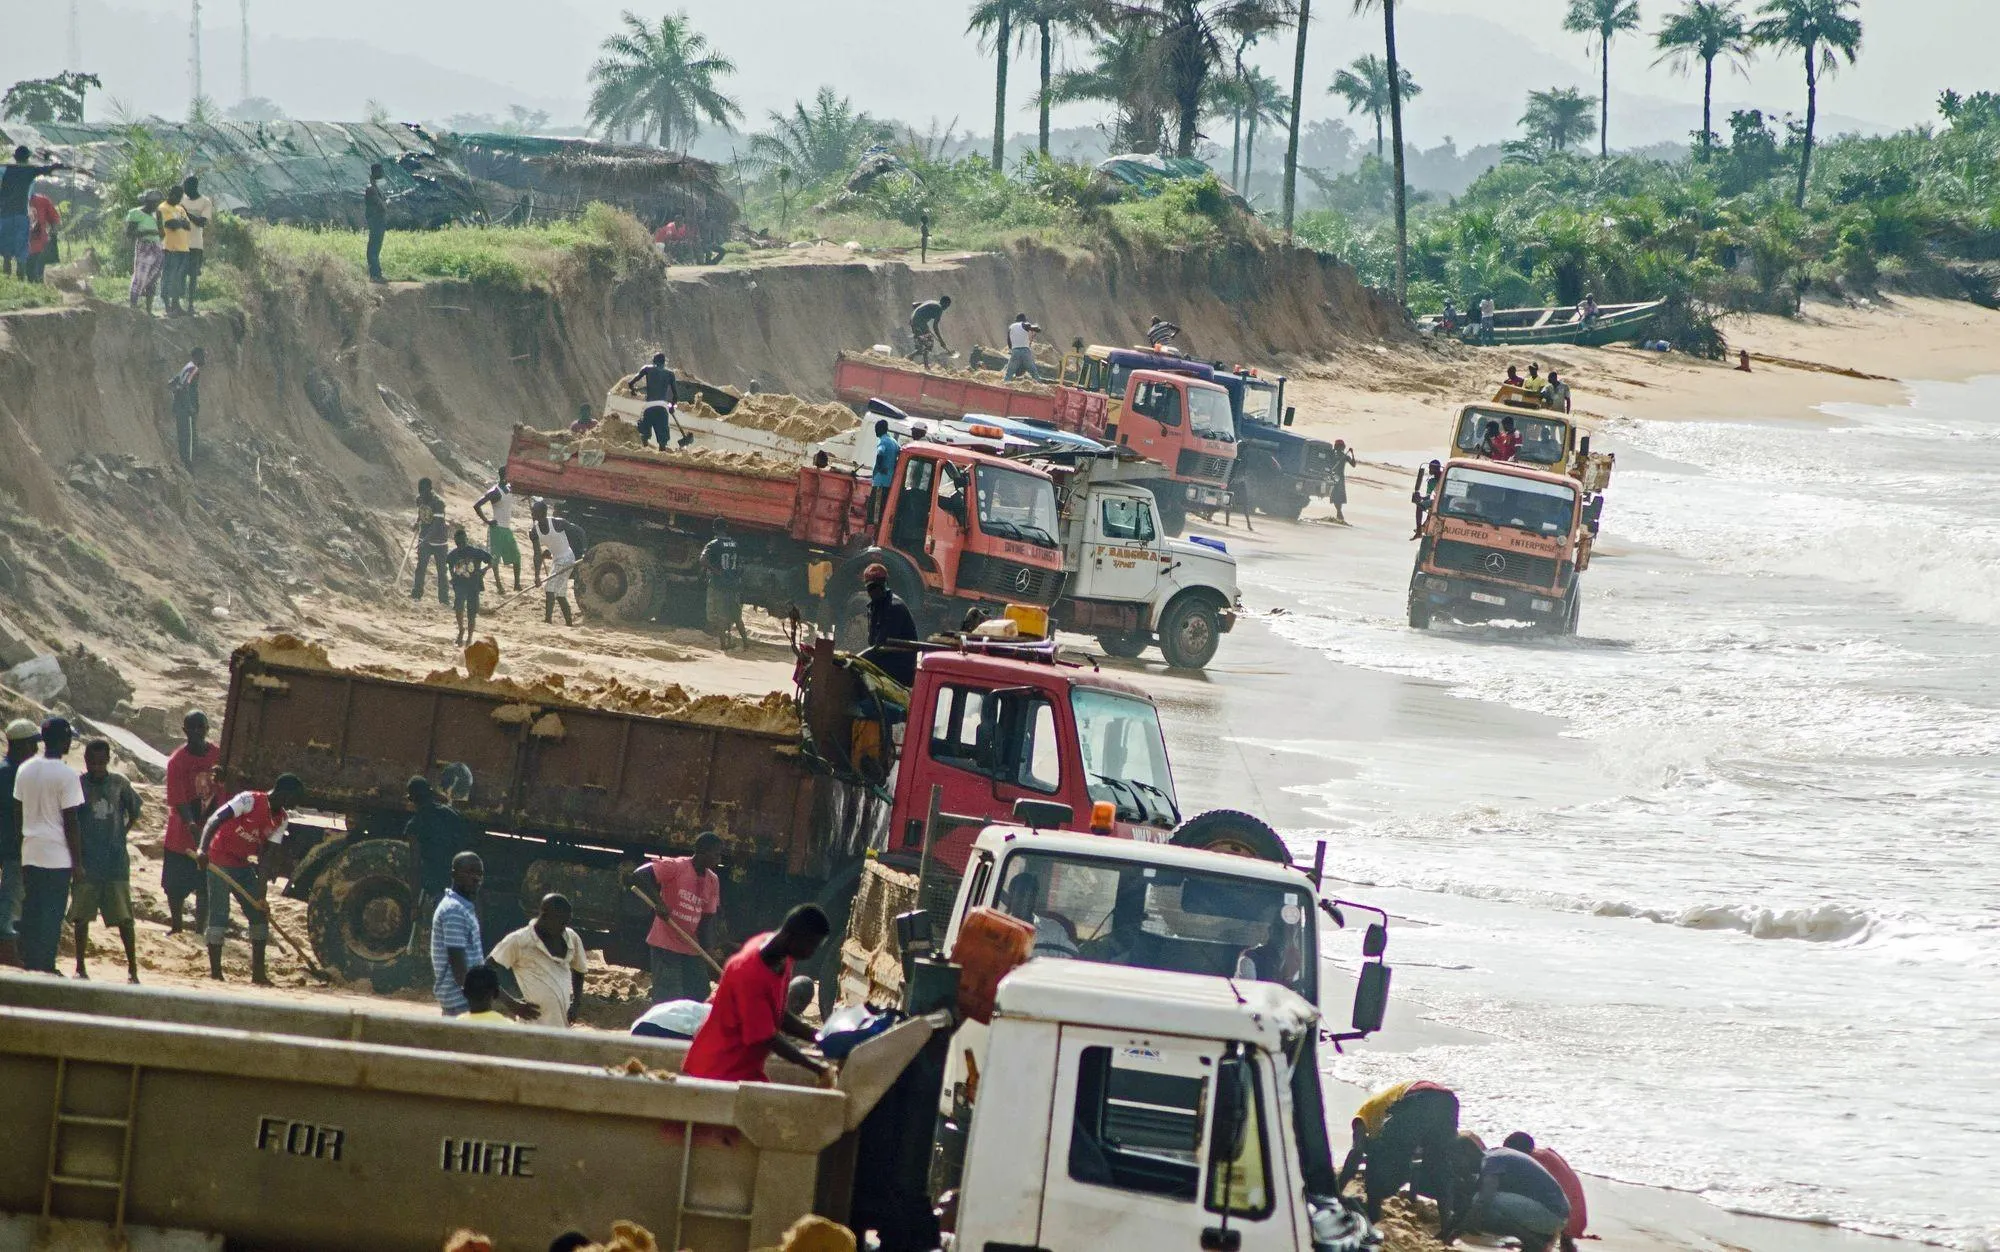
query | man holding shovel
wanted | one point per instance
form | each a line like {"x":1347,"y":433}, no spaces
{"x":234,"y":835}
{"x":689,"y":892}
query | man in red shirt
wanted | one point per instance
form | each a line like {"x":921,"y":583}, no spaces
{"x":688,"y":888}
{"x":190,"y":799}
{"x":749,"y":1021}
{"x":1572,"y":1186}
{"x":235,"y":833}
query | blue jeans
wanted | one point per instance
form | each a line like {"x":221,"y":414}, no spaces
{"x":10,"y":895}
{"x":43,"y":905}
{"x":14,"y":232}
{"x":220,"y":897}
{"x":1021,"y":361}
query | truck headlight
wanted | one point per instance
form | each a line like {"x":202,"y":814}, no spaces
{"x":1431,"y":582}
{"x":1541,"y":606}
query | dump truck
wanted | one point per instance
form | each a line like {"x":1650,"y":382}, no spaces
{"x":567,"y":796}
{"x":861,"y":377}
{"x":1550,"y":439}
{"x":1504,"y":542}
{"x":960,"y":529}
{"x":1296,"y":470}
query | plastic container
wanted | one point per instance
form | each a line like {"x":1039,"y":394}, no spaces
{"x":990,"y":945}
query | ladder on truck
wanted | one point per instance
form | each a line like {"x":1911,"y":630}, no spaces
{"x":90,"y":1136}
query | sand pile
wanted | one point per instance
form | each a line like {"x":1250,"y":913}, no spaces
{"x":979,"y":376}
{"x":785,"y":416}
{"x":614,"y":438}
{"x":288,"y":650}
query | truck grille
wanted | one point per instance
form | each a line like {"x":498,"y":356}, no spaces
{"x":1317,"y":460}
{"x":1202,"y":467}
{"x":1009,"y":580}
{"x":1515,"y":567}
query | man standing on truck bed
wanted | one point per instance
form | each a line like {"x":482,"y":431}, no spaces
{"x":927,"y":323}
{"x":690,"y":892}
{"x":882,"y":475}
{"x":658,"y":382}
{"x":456,"y":944}
{"x":500,"y":541}
{"x":749,"y":1022}
{"x":1021,"y":349}
{"x":722,"y":566}
{"x":234,"y":833}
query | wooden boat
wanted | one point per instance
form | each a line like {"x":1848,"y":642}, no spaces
{"x":1614,"y":323}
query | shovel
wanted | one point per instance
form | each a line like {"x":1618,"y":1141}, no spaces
{"x":251,"y":902}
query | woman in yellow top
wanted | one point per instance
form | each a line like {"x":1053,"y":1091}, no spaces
{"x":1406,"y":1133}
{"x":176,"y":236}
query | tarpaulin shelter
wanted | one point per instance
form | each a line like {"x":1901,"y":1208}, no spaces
{"x":524,"y":176}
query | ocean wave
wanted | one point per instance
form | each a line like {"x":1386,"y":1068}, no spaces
{"x":1822,"y":923}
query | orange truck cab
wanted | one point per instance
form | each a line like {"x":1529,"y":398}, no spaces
{"x":1504,"y":542}
{"x":1185,"y":425}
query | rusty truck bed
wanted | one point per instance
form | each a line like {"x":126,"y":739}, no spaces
{"x":858,"y":379}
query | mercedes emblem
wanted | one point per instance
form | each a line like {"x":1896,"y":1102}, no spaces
{"x":1496,"y":563}
{"x":1022,"y":578}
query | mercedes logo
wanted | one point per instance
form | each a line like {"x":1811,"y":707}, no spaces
{"x":1496,"y":563}
{"x":1022,"y":578}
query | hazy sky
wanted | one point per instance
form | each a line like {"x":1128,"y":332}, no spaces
{"x":911,"y":59}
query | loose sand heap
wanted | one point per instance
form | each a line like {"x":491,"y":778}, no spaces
{"x":978,"y":376}
{"x":785,"y":416}
{"x":773,"y":713}
{"x":1407,"y":1225}
{"x":617,"y":438}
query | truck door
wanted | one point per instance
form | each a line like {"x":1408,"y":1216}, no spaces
{"x":1133,"y":1157}
{"x":987,"y":749}
{"x":1121,"y":550}
{"x":910,"y":525}
{"x":1151,"y":426}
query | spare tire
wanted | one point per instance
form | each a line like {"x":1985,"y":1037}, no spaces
{"x":363,"y":919}
{"x":617,"y":582}
{"x":1238,"y":834}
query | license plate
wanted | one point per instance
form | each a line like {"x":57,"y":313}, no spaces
{"x":1483,"y":598}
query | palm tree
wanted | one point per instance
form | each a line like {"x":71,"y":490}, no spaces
{"x":1705,"y":31}
{"x":661,"y":81}
{"x":1298,"y":99}
{"x":1822,"y":31}
{"x":1365,"y":87}
{"x":1392,"y":72}
{"x":1606,"y":20}
{"x":1558,"y":118}
{"x":1258,"y":97}
{"x":819,"y":142}
{"x":1050,"y":20}
{"x":1126,"y":72}
{"x":1190,"y":47}
{"x":993,"y":21}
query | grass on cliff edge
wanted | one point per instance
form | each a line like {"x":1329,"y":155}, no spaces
{"x":515,"y":257}
{"x":15,"y":294}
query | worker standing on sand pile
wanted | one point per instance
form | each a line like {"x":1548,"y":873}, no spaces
{"x":500,"y":541}
{"x":690,"y":891}
{"x":1404,"y":1134}
{"x":234,"y":833}
{"x":456,"y":945}
{"x":722,"y":564}
{"x":1515,"y":1198}
{"x":51,"y":796}
{"x":889,"y":622}
{"x":1160,"y":332}
{"x":190,"y":799}
{"x":548,"y":962}
{"x":927,"y":326}
{"x":564,"y":543}
{"x":433,"y":534}
{"x":104,"y":882}
{"x":1552,"y":1161}
{"x":1021,"y":349}
{"x":24,"y":739}
{"x":658,"y":382}
{"x":749,"y":1022}
{"x":438,"y":833}
{"x":467,"y":566}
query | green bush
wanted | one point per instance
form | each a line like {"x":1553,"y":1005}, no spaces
{"x":169,"y":619}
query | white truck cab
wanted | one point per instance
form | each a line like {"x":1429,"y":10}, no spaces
{"x":1131,"y":585}
{"x":1135,"y":1110}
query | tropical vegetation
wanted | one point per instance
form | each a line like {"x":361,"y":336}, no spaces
{"x":1604,"y":21}
{"x":1820,"y":32}
{"x":660,"y":82}
{"x":1365,"y":86}
{"x":1706,"y":31}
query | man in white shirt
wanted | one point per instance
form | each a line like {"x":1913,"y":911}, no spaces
{"x":50,"y":794}
{"x":1021,"y":349}
{"x":548,"y":961}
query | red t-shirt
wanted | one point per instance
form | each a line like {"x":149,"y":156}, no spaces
{"x":1572,"y":1188}
{"x":190,"y":780}
{"x":1506,"y":446}
{"x":251,"y":824}
{"x":749,"y":1003}
{"x":689,"y":897}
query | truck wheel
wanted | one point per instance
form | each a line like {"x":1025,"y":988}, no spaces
{"x":1285,"y":504}
{"x":1238,"y":834}
{"x":1420,"y":613}
{"x":617,"y":582}
{"x":363,"y":916}
{"x":1125,"y":644}
{"x":1190,"y":632}
{"x":1575,"y":613}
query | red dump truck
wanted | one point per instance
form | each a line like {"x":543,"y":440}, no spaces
{"x":960,"y":528}
{"x":859,"y":378}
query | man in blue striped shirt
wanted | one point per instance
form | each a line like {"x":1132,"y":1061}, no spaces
{"x":456,"y":945}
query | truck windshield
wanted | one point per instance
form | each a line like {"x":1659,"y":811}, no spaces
{"x":1544,"y":440}
{"x":1208,"y":411}
{"x":1260,"y":403}
{"x":1156,"y":917}
{"x":1504,"y":500}
{"x":1014,"y":505}
{"x":1125,"y":756}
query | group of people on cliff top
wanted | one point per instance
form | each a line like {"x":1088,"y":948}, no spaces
{"x":29,"y":220}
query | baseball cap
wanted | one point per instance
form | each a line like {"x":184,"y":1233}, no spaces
{"x":21,"y":728}
{"x":56,"y":726}
{"x":875,"y":573}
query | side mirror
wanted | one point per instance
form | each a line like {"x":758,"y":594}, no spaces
{"x":1371,"y":997}
{"x":1375,"y":941}
{"x":1043,"y":814}
{"x":913,"y":931}
{"x":1593,"y":514}
{"x":1291,"y":411}
{"x":1232,"y":1105}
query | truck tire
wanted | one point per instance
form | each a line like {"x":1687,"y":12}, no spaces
{"x":363,"y":917}
{"x":1284,"y":503}
{"x":1574,"y":614}
{"x":1238,"y":834}
{"x":1190,"y":632}
{"x":1420,"y":613}
{"x":1124,"y":644}
{"x":617,"y":582}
